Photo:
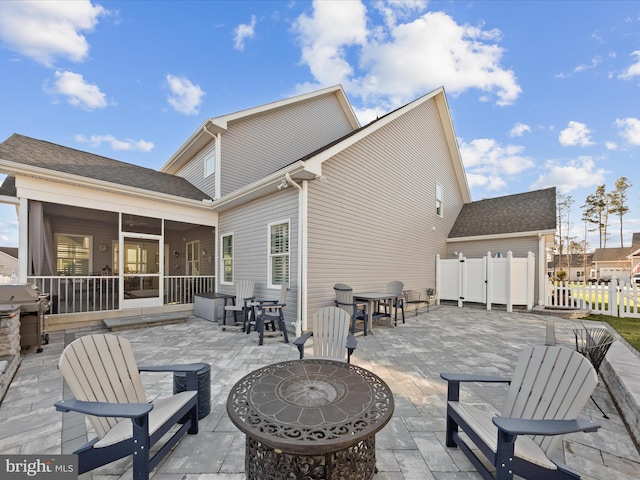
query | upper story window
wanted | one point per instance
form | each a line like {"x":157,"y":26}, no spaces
{"x":439,"y":200}
{"x":210,"y":162}
{"x":278,"y":253}
{"x":73,"y":254}
{"x":226,"y":275}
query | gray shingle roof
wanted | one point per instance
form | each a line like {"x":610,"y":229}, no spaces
{"x":614,"y":254}
{"x":11,"y":251}
{"x":38,"y":153}
{"x":524,"y":212}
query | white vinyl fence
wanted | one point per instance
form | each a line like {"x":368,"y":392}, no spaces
{"x":618,"y":299}
{"x":490,"y":280}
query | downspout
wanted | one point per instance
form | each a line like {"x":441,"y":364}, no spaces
{"x":301,"y":320}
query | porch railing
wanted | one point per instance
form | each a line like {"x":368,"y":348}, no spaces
{"x":99,"y":293}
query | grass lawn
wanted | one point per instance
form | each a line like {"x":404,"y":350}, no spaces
{"x":628,"y":328}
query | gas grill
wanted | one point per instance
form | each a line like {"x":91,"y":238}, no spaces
{"x":22,"y":318}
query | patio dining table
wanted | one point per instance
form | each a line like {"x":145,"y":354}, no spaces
{"x":372,"y":298}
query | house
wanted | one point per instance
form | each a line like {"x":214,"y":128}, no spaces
{"x":619,"y":262}
{"x":577,"y":266}
{"x":8,"y":261}
{"x":292,"y":191}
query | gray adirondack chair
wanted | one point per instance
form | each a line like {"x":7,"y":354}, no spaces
{"x":244,"y":296}
{"x":548,"y":389}
{"x":331,"y":337}
{"x":105,"y":381}
{"x":357,"y":310}
{"x":265,"y":312}
{"x":396,"y":287}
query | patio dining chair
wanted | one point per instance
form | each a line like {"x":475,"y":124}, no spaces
{"x":102,"y":374}
{"x":356,"y":310}
{"x":244,"y":295}
{"x":331,"y":337}
{"x":548,"y":390}
{"x":594,"y":343}
{"x":264,"y":312}
{"x":396,"y":287}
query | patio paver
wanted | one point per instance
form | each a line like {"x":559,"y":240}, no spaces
{"x":409,"y":358}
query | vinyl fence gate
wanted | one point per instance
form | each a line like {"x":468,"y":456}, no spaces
{"x":489,"y":280}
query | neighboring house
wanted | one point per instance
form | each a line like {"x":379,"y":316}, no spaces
{"x":619,"y":262}
{"x":8,"y":261}
{"x":577,"y":266}
{"x":293,"y":191}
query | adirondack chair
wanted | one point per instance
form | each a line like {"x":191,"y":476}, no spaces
{"x":105,"y":381}
{"x":396,"y":287}
{"x":269,"y":311}
{"x":548,"y":389}
{"x":244,"y":295}
{"x":331,"y":337}
{"x":594,"y":343}
{"x":344,"y":300}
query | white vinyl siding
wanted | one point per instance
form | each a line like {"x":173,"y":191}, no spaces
{"x":226,"y":262}
{"x":200,"y":173}
{"x":249,"y":224}
{"x":255,"y":147}
{"x":373,"y":221}
{"x":278,"y":254}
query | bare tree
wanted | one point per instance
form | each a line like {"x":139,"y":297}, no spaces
{"x":618,"y":201}
{"x":563,"y":212}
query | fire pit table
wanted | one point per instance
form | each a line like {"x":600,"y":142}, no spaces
{"x":312,"y":416}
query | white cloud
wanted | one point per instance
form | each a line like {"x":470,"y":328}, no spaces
{"x":488,"y":182}
{"x":244,"y":31}
{"x":77,"y":92}
{"x":595,"y":61}
{"x":633,"y":70}
{"x":630,"y":129}
{"x":185,"y":97}
{"x":611,"y":145}
{"x":576,"y":133}
{"x":486,"y":156}
{"x":397,"y":61}
{"x":577,"y":173}
{"x":118,"y":145}
{"x":47,"y":30}
{"x":519,"y":129}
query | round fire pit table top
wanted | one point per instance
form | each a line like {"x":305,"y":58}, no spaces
{"x":310,"y":406}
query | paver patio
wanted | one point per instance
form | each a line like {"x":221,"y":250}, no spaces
{"x":409,"y":358}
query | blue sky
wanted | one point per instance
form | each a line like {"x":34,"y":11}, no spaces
{"x":541,"y":93}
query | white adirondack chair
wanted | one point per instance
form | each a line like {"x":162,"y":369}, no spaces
{"x":331,"y":337}
{"x":244,"y":295}
{"x":103,"y":376}
{"x":548,"y":390}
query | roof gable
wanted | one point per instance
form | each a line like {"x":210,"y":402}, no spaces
{"x":524,"y":212}
{"x":615,"y":254}
{"x":39,"y":157}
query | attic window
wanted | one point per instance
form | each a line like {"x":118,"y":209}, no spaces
{"x":210,"y":163}
{"x":439,"y":199}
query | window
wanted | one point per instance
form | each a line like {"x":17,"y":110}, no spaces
{"x":210,"y":162}
{"x":438,"y":199}
{"x":73,"y":254}
{"x":278,"y":254}
{"x":227,"y":259}
{"x":193,"y":257}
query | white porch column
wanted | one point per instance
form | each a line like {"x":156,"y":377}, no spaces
{"x":23,"y":240}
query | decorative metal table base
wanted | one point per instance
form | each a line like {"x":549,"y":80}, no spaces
{"x":357,"y":462}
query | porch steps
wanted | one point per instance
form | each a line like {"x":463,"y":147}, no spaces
{"x":142,"y":321}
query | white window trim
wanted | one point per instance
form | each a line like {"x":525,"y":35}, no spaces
{"x":269,"y":273}
{"x":440,"y":201}
{"x":211,"y":152}
{"x":233,"y":263}
{"x":61,"y":234}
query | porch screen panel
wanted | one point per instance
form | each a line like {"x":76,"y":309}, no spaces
{"x":279,"y":253}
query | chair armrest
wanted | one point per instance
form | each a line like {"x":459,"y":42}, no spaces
{"x":470,"y":377}
{"x":103,"y":409}
{"x":521,"y":426}
{"x":302,"y":339}
{"x":352,"y":343}
{"x":190,"y":367}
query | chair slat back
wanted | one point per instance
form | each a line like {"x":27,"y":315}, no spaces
{"x":284,"y":290}
{"x":395,"y":286}
{"x":102,"y":368}
{"x":344,"y":297}
{"x":330,"y":330}
{"x":551,"y":383}
{"x":244,"y":289}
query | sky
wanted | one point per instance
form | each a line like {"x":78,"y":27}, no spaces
{"x":541,"y":93}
